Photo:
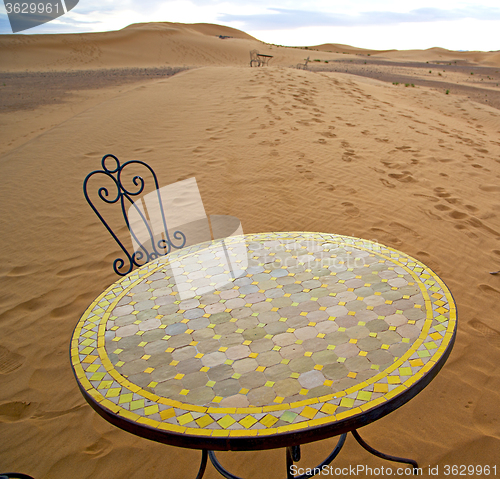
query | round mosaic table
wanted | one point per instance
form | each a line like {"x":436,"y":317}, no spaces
{"x":263,"y":341}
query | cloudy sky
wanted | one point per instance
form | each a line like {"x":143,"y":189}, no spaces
{"x":377,"y":24}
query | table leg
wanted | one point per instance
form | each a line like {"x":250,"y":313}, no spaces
{"x":381,"y":454}
{"x":292,"y":455}
{"x":220,"y":469}
{"x":318,"y":468}
{"x":203,"y":465}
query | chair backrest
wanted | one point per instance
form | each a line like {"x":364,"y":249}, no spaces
{"x":150,"y":236}
{"x":158,"y":221}
{"x":253,"y":55}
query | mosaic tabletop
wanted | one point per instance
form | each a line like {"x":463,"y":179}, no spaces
{"x":274,"y":334}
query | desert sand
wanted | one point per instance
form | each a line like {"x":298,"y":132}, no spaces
{"x":281,"y":149}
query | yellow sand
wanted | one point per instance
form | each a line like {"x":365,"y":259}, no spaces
{"x":281,"y":149}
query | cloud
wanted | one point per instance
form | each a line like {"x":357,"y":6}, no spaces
{"x":279,"y":18}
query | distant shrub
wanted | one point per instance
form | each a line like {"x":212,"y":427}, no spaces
{"x":395,"y":83}
{"x":447,"y":92}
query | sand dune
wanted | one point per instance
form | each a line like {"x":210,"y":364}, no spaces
{"x":139,"y":45}
{"x":340,"y":48}
{"x":177,"y":44}
{"x":433,"y":55}
{"x":281,"y":149}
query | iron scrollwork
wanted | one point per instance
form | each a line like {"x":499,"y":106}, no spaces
{"x":154,"y":247}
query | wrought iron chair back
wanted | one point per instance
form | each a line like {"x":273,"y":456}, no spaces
{"x":155,"y":245}
{"x":303,"y":66}
{"x":254,"y":58}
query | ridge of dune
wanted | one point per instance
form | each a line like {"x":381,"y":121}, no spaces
{"x":209,"y":29}
{"x":341,"y":48}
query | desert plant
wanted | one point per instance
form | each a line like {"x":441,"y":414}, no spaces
{"x":447,"y":92}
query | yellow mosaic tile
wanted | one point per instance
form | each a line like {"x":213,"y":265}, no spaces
{"x":268,"y":420}
{"x":248,"y":421}
{"x":309,"y":412}
{"x":226,"y":421}
{"x":204,"y":421}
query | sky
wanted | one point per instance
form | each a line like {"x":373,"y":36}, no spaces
{"x":384,"y":24}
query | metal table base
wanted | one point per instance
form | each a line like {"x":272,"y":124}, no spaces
{"x":293,"y":455}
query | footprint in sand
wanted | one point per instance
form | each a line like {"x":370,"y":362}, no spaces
{"x":9,"y":361}
{"x":471,"y":208}
{"x":100,"y":448}
{"x":348,"y":155}
{"x":16,"y":411}
{"x":442,"y":207}
{"x":458,"y":215}
{"x":462,"y":227}
{"x":441,"y":192}
{"x":490,"y":188}
{"x":387,"y":183}
{"x":491,"y":335}
{"x":350,"y":209}
{"x":403,"y":177}
{"x":303,"y":171}
{"x":327,"y":186}
{"x":385,"y":237}
{"x":327,"y":134}
{"x":404,"y":228}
